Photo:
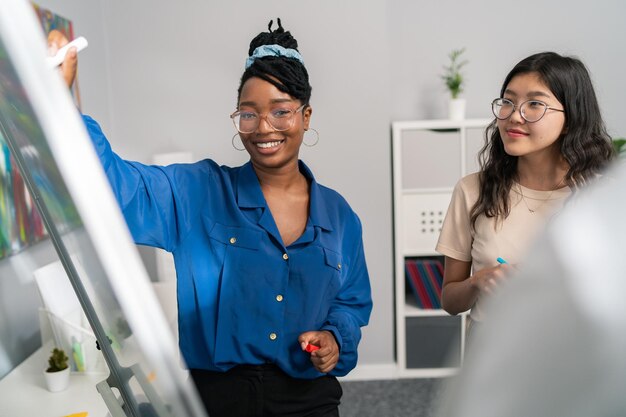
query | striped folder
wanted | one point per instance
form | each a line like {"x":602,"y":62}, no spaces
{"x":425,"y":277}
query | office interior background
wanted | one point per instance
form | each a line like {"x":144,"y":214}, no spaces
{"x":162,"y":77}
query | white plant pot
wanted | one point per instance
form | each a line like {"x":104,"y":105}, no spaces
{"x":57,"y":381}
{"x":456,"y":109}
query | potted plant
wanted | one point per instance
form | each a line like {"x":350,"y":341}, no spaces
{"x":455,"y":82}
{"x":58,"y":373}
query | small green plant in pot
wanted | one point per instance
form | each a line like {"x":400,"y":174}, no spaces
{"x":455,"y":83}
{"x":57,"y":360}
{"x":452,"y":75}
{"x":58,"y":372}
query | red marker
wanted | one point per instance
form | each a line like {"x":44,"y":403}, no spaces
{"x":311,"y":348}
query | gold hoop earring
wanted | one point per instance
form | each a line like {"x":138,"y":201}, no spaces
{"x":317,"y":138}
{"x":233,"y":143}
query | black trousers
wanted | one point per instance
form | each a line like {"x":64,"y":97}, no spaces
{"x":266,"y":391}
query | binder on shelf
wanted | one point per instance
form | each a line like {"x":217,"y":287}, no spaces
{"x":425,"y":277}
{"x":433,"y":296}
{"x":419,"y":289}
{"x":433,"y":271}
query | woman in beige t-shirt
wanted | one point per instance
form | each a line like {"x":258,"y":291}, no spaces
{"x":547,"y":139}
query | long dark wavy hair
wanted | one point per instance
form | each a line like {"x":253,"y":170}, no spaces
{"x":585,"y":144}
{"x":287,"y":74}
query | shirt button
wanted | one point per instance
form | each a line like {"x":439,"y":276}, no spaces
{"x":233,"y":240}
{"x":279,"y":298}
{"x":285,"y":256}
{"x":339,"y":266}
{"x":273,"y":336}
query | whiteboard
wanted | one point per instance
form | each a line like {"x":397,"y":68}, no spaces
{"x":49,"y":141}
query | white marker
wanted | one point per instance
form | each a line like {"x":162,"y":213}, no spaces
{"x":80,"y":43}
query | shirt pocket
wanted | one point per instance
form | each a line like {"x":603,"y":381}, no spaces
{"x":234,"y":253}
{"x":236,"y":237}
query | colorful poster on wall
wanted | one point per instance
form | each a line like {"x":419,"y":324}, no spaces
{"x":20,"y":222}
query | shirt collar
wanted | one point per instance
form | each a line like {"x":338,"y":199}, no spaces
{"x":249,"y":194}
{"x":318,"y":214}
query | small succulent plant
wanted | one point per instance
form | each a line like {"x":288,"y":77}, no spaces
{"x":57,"y":361}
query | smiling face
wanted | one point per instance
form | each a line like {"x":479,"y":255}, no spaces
{"x":268,"y":148}
{"x":521,"y":138}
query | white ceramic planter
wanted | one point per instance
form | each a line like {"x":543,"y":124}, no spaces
{"x":456,"y":109}
{"x":57,"y":381}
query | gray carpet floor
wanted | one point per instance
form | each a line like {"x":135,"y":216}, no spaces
{"x":391,"y":398}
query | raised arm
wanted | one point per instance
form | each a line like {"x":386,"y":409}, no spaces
{"x":146,"y":194}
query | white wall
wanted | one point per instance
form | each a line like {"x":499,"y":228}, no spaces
{"x":162,"y":77}
{"x":497,"y":35}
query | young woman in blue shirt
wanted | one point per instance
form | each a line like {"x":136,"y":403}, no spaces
{"x":268,"y":261}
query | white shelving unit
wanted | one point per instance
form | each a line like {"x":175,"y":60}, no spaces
{"x":429,"y":157}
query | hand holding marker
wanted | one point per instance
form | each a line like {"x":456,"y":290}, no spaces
{"x":80,"y":43}
{"x":492,"y":281}
{"x":311,"y":348}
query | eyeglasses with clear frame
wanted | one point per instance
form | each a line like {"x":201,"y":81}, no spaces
{"x":280,"y":119}
{"x":530,"y":110}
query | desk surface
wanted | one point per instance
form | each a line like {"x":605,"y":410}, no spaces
{"x":23,"y":392}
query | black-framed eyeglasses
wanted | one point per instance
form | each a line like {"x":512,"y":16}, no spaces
{"x":531,"y":110}
{"x":280,"y":119}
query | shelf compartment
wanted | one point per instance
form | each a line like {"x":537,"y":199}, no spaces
{"x":422,"y":218}
{"x":433,"y":342}
{"x":429,"y":156}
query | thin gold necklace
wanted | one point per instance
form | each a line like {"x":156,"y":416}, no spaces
{"x":532,"y":211}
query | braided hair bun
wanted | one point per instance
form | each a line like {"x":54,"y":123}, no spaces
{"x":287,"y":74}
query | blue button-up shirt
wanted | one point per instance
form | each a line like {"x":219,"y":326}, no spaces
{"x":243,"y":297}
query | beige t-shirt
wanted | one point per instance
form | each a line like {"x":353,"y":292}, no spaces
{"x":509,"y":238}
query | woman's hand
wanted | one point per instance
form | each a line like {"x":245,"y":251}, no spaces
{"x":57,"y":40}
{"x":326,"y":357}
{"x":487,"y":280}
{"x":460,"y":290}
